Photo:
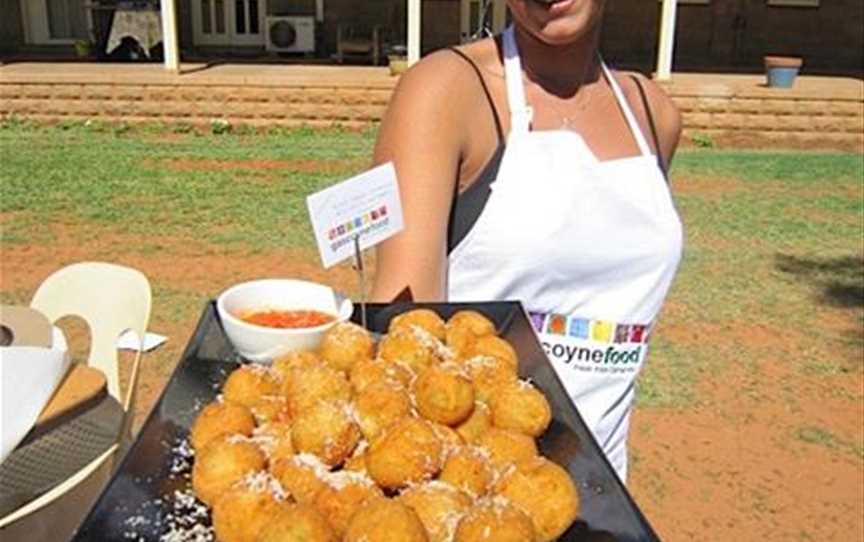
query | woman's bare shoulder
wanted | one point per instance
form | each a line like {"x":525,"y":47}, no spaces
{"x":661,"y":108}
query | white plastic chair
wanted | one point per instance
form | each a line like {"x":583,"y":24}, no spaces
{"x":111,"y":299}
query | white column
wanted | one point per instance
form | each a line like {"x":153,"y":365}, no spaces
{"x":169,"y":35}
{"x":499,"y":15}
{"x":667,"y":40}
{"x":414,"y":10}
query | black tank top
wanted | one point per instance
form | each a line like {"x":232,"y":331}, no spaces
{"x":467,"y":206}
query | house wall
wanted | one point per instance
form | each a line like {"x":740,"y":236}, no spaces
{"x":11,"y":26}
{"x":736,"y":34}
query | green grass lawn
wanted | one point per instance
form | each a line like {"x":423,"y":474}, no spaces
{"x":771,"y":236}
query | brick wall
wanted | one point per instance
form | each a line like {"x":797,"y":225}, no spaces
{"x":758,"y":117}
{"x":198,"y":105}
{"x":770,"y":120}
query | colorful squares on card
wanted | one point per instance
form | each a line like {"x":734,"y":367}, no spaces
{"x":622,"y":333}
{"x":638,"y":333}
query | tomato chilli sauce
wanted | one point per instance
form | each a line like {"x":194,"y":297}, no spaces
{"x":287,"y":319}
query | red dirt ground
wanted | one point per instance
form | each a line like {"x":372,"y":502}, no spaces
{"x":744,"y":463}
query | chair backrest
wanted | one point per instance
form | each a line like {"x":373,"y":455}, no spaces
{"x":111,"y":299}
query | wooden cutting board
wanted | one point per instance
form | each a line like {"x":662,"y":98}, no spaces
{"x":82,"y":387}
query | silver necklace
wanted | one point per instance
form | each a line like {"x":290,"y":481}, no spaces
{"x":581,"y":99}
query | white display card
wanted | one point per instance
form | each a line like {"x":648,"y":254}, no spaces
{"x":365,"y":206}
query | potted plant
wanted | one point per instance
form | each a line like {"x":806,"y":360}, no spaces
{"x":83,"y":48}
{"x":398,"y":59}
{"x":782,"y":70}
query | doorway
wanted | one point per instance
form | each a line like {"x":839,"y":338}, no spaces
{"x":56,"y":21}
{"x":228,"y":22}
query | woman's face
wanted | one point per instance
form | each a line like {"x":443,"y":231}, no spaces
{"x":559,"y":22}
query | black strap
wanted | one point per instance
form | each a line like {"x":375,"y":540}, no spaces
{"x":651,"y":124}
{"x":467,"y":206}
{"x":467,"y":59}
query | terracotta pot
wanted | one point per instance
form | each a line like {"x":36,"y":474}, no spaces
{"x":783,"y":62}
{"x":782,"y":70}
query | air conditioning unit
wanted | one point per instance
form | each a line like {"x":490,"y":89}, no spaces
{"x":290,"y":34}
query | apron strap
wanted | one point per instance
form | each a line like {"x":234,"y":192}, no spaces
{"x":520,"y":112}
{"x":628,"y":113}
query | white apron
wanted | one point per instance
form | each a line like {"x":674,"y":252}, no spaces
{"x":590,"y":248}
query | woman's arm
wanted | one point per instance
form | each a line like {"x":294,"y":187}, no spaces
{"x":422,"y":134}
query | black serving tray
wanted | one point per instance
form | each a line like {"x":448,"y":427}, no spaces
{"x":137,"y":503}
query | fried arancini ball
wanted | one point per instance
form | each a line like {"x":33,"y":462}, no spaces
{"x":470,"y":469}
{"x":221,"y":463}
{"x":240,"y":513}
{"x":327,"y":430}
{"x":521,"y":407}
{"x":474,"y":321}
{"x":301,"y":476}
{"x":247,"y":384}
{"x":450,"y":439}
{"x":413,"y":348}
{"x":556,"y":510}
{"x":299,"y":359}
{"x":444,"y":395}
{"x":298,"y":523}
{"x":425,"y":319}
{"x":305,"y":387}
{"x":271,"y":408}
{"x":218,"y":419}
{"x":274,"y":439}
{"x":507,"y":447}
{"x":478,"y":423}
{"x":439,"y":506}
{"x":380,"y":405}
{"x":345,"y":344}
{"x":492,"y":345}
{"x":345,"y":493}
{"x":464,"y":327}
{"x":488,"y":373}
{"x":408,"y":452}
{"x":496,"y":520}
{"x":385,"y":520}
{"x":355,"y":463}
{"x":372,"y":371}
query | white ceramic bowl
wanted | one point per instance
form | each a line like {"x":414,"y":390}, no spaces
{"x":263,"y":344}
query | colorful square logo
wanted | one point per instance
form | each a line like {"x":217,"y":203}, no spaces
{"x":537,"y":320}
{"x":341,"y":229}
{"x":358,"y":222}
{"x":638,"y":333}
{"x":579,"y":327}
{"x":383,"y":210}
{"x":622,"y":333}
{"x":374,"y":214}
{"x":557,"y":324}
{"x":601,"y":331}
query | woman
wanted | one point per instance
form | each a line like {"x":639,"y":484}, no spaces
{"x":569,"y":213}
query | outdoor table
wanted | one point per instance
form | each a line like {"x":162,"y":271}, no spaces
{"x":141,"y":23}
